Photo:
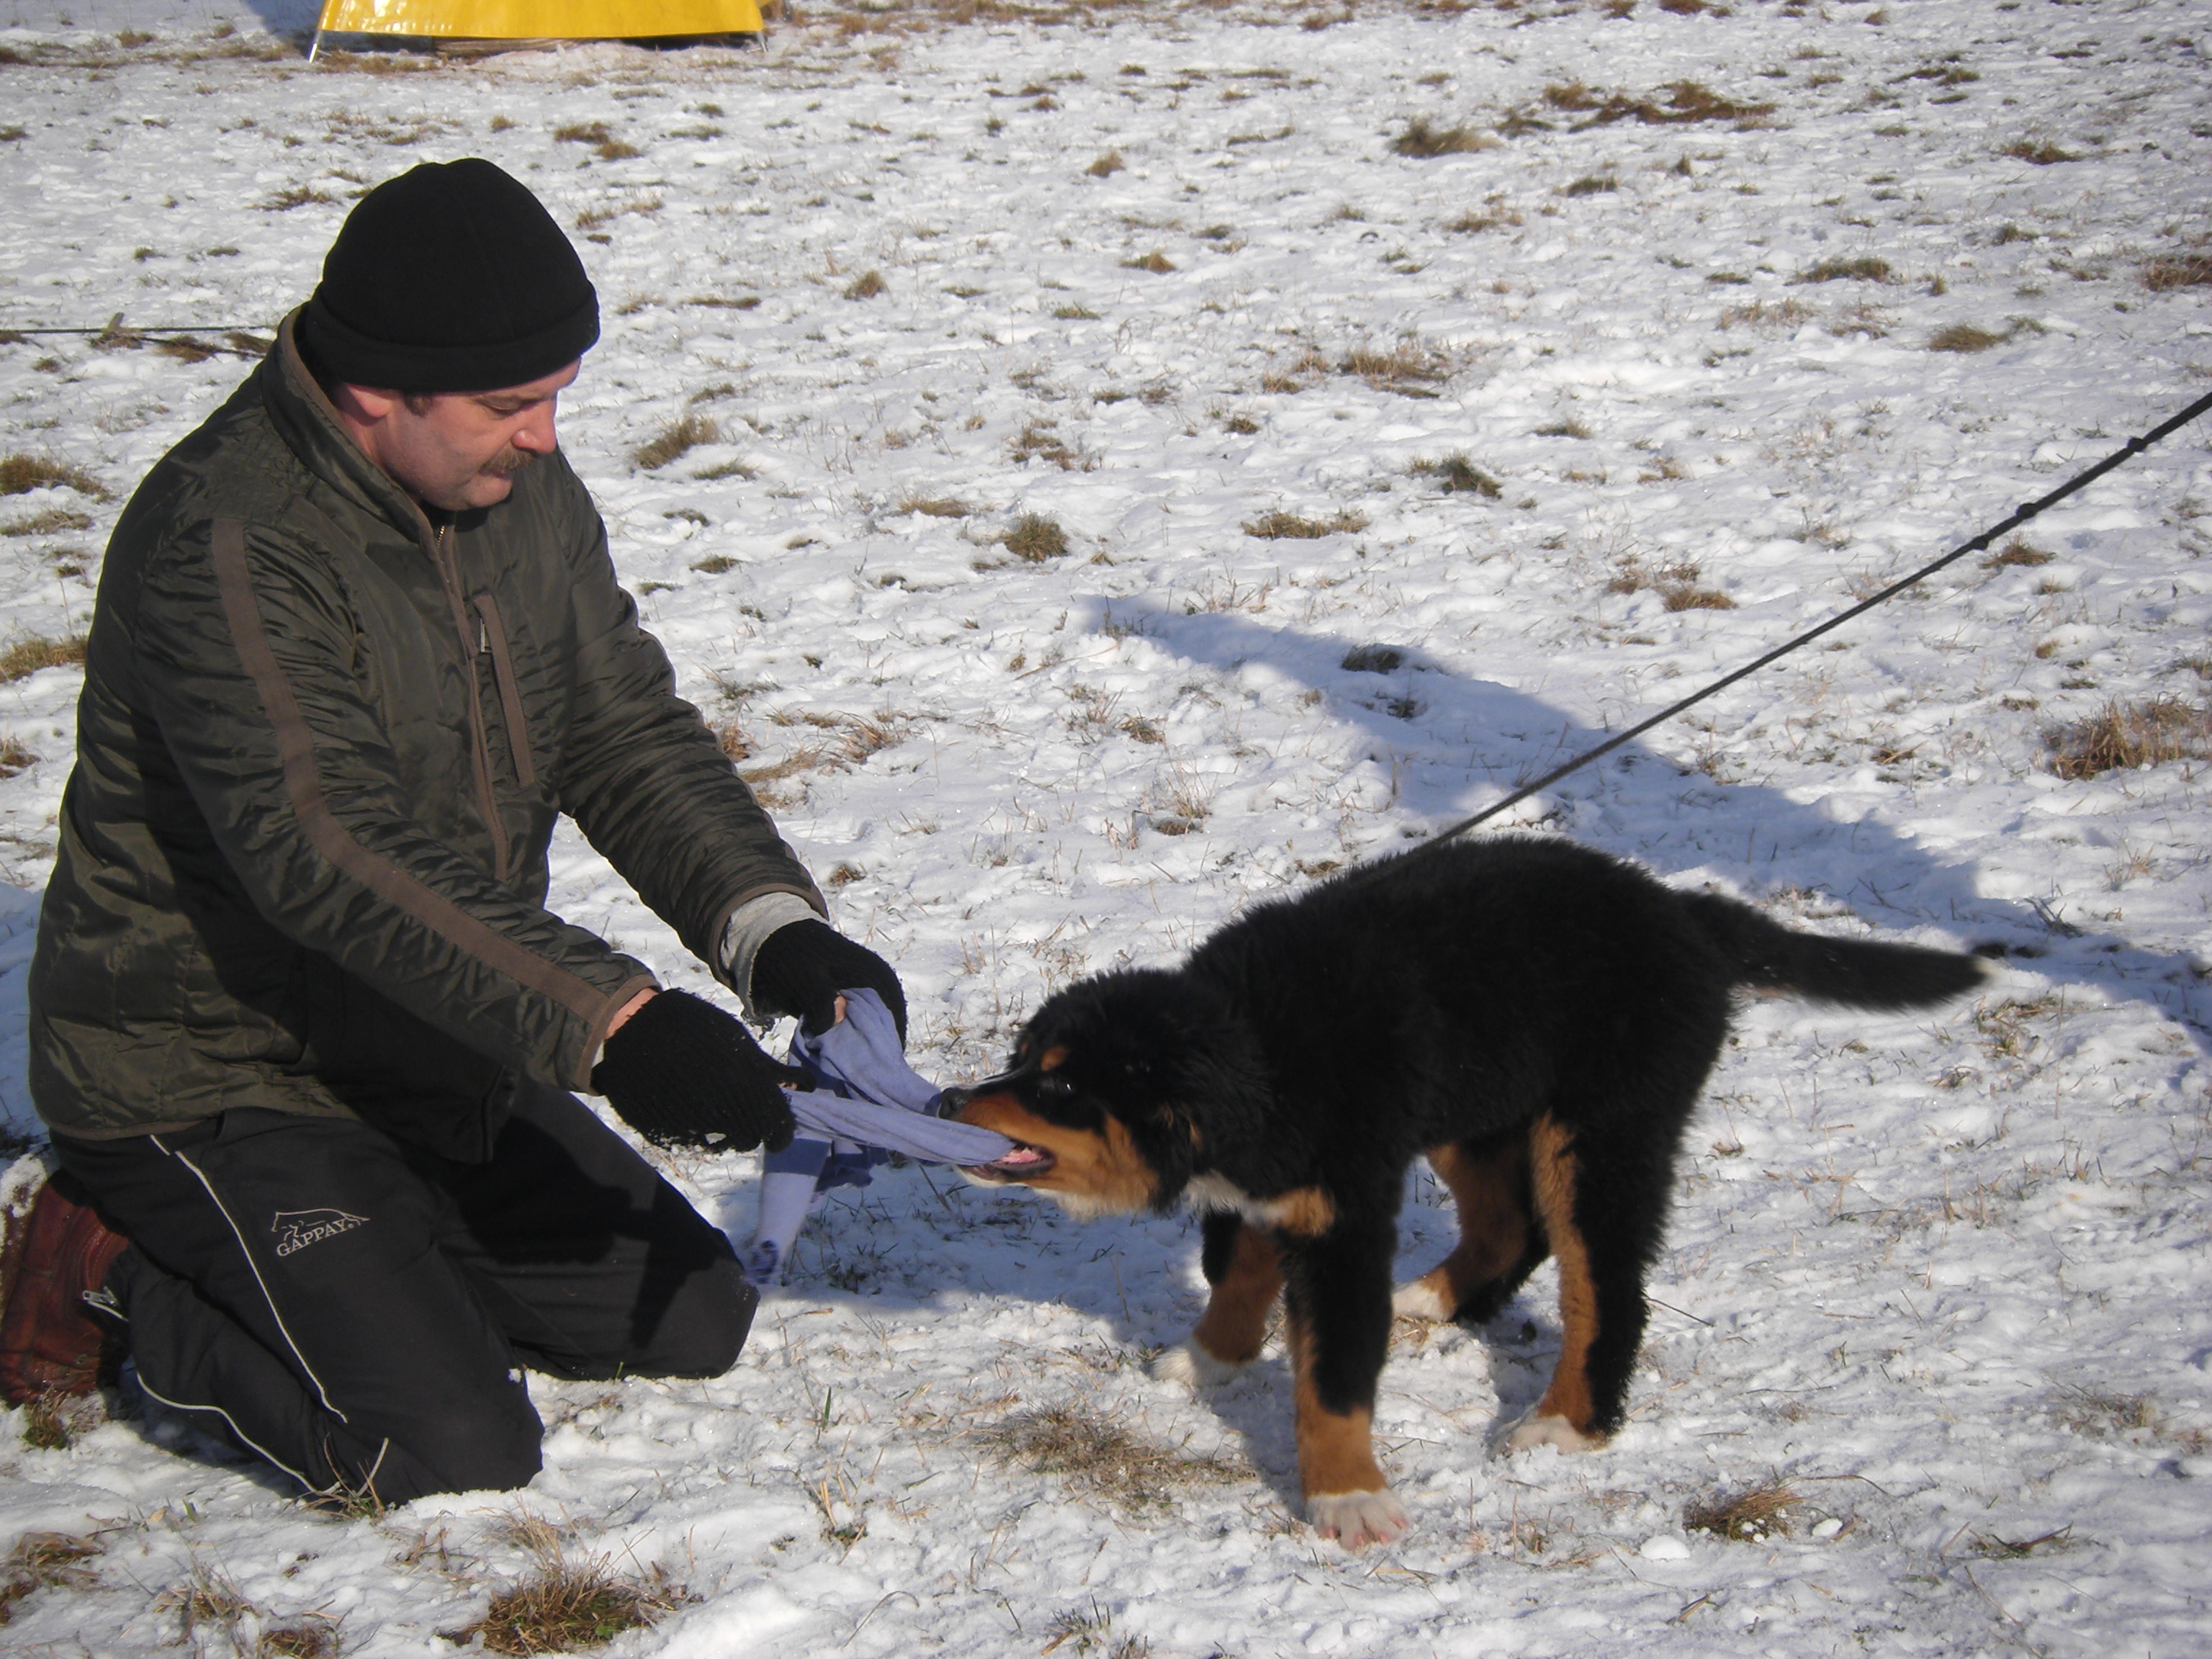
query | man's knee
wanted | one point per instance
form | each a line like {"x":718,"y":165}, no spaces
{"x":704,"y":1329}
{"x":489,"y":1445}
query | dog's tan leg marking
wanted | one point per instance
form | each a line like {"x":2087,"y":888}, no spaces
{"x":1345,"y":1496}
{"x":1493,"y":1229}
{"x":1566,"y":1416}
{"x":1235,"y":1322}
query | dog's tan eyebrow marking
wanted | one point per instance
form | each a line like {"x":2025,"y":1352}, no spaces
{"x":1055,"y":1058}
{"x":1306,"y":1212}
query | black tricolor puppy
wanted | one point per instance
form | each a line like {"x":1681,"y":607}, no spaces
{"x":1535,"y":1017}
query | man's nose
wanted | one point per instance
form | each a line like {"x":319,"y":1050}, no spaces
{"x":535,"y":436}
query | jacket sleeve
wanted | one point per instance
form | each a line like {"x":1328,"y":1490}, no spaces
{"x":245,"y":649}
{"x":645,"y":779}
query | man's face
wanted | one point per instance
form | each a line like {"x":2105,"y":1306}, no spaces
{"x":459,"y":450}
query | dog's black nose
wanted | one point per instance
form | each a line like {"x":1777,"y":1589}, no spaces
{"x":951,"y":1101}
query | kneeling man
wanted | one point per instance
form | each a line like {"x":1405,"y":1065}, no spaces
{"x":301,"y":1026}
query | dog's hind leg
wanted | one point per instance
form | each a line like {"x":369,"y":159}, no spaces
{"x":1339,"y":1317}
{"x":1246,"y":1271}
{"x":1501,"y":1242}
{"x":1596,"y":1236}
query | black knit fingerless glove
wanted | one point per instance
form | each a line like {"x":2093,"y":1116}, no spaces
{"x":800,"y":968}
{"x":683,"y":1074}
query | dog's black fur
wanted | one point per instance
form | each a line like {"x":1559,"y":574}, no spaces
{"x":1536,"y":1017}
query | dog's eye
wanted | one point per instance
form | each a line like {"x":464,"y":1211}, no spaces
{"x":1054,"y":1087}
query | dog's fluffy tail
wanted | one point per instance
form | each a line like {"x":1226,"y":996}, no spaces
{"x":1854,"y":972}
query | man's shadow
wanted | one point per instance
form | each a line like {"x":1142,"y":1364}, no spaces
{"x":1454,"y":743}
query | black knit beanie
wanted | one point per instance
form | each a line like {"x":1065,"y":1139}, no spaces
{"x":451,"y":277}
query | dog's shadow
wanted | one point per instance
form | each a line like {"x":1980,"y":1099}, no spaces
{"x":1453,"y":742}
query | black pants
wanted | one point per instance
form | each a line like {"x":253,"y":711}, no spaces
{"x":357,"y":1312}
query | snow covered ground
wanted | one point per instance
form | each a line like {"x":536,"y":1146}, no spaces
{"x":1947,"y":1278}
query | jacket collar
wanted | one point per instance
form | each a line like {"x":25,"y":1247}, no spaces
{"x":311,"y":429}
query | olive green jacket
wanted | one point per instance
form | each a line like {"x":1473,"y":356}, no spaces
{"x":321,"y":747}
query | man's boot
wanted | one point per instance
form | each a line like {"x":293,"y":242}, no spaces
{"x":52,"y":1256}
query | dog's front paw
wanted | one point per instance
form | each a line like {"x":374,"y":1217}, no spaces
{"x":1534,"y":1430}
{"x":1358,"y":1518}
{"x":1192,"y":1366}
{"x":1421,"y":1299}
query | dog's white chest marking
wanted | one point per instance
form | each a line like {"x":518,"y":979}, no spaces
{"x":1220,"y":1194}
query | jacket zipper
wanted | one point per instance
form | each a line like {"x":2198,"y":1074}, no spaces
{"x":491,"y":641}
{"x":449,"y":577}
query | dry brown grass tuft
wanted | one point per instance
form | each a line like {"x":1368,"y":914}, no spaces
{"x":866,"y":285}
{"x":1107,"y":165}
{"x":1075,"y":314}
{"x":1100,"y":1458}
{"x":2123,"y":735}
{"x":679,"y":438}
{"x":1866,"y":270}
{"x":43,"y":1559}
{"x":1767,"y":314}
{"x":2040,"y":153}
{"x":297,"y":196}
{"x":28,"y":656}
{"x":1675,"y":584}
{"x":53,"y":521}
{"x":14,"y":758}
{"x":1400,"y":369}
{"x":1278,"y":525}
{"x":1425,"y":142}
{"x":582,"y":133}
{"x":1456,"y":471}
{"x":1374,"y":659}
{"x":1753,"y":1515}
{"x":2016,"y":551}
{"x":22,"y":473}
{"x":1963,"y":337}
{"x":570,"y":1606}
{"x":311,"y":1638}
{"x":1034,"y":538}
{"x":2182,"y":270}
{"x":1156,"y":262}
{"x":934,"y":506}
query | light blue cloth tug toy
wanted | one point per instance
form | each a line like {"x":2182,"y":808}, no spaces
{"x":863,"y":1103}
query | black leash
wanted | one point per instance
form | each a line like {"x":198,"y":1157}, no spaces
{"x":2133,"y":446}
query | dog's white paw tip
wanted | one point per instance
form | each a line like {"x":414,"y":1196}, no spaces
{"x":1420,"y":1300}
{"x":1192,"y":1366}
{"x":1534,"y":1430}
{"x":1357,"y":1519}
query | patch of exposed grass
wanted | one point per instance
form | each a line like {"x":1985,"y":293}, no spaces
{"x":22,"y":473}
{"x":721,"y":469}
{"x":582,"y":133}
{"x":2017,"y":551}
{"x":1085,"y":1631}
{"x":2123,"y":735}
{"x":1400,"y":369}
{"x":1473,"y":222}
{"x":715,"y":564}
{"x":1107,"y":165}
{"x":1425,"y":141}
{"x":1454,"y":472}
{"x":2038,"y":152}
{"x":1037,"y":441}
{"x":313,"y":1638}
{"x":570,"y":1606}
{"x":1676,"y":585}
{"x":1685,"y":103}
{"x":297,"y":196}
{"x":28,"y":656}
{"x":1278,"y":525}
{"x":1753,"y":1515}
{"x":1156,"y":262}
{"x":1374,"y":659}
{"x":1075,"y":314}
{"x":933,"y":507}
{"x":1866,"y":270}
{"x":53,"y":521}
{"x":679,"y":438}
{"x":1964,"y":337}
{"x":14,"y":758}
{"x":1991,"y":1547}
{"x":1572,"y":427}
{"x":1034,"y":538}
{"x":43,"y":1559}
{"x":1767,"y":314}
{"x":2183,"y":270}
{"x":1100,"y":1457}
{"x":1594,"y":183}
{"x":866,"y":285}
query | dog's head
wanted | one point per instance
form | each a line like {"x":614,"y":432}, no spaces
{"x":1113,"y":1090}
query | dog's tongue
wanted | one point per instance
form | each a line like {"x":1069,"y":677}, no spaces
{"x":1021,"y":1158}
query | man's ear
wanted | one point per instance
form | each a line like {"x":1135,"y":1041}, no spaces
{"x":368,"y":405}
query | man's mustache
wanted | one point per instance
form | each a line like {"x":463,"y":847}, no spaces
{"x":508,"y":462}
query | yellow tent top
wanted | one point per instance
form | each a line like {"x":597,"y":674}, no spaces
{"x":540,"y":20}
